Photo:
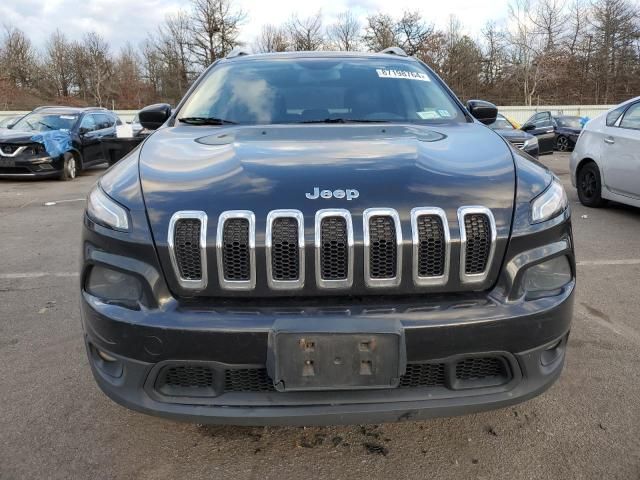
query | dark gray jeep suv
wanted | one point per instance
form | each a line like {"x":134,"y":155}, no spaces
{"x":316,"y":238}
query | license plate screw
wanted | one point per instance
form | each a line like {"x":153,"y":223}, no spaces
{"x":308,"y":370}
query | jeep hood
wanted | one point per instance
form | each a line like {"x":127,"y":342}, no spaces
{"x":263,"y":168}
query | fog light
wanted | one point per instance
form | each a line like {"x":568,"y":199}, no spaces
{"x":106,"y":363}
{"x":105,"y":356}
{"x":113,"y":286}
{"x":547,"y":277}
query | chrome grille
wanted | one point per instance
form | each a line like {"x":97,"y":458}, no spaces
{"x":382,"y":247}
{"x":284,"y":239}
{"x":477,"y":239}
{"x":431,"y":246}
{"x":334,"y":249}
{"x":285,"y":249}
{"x":187,"y":248}
{"x":235,"y":243}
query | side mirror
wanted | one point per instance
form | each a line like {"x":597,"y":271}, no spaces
{"x":154,"y":116}
{"x":83,"y":130}
{"x":482,"y":111}
{"x":526,"y":127}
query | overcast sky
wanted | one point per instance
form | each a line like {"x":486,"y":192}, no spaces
{"x":122,"y":21}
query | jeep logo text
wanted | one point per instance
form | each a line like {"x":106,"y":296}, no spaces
{"x":349,"y":194}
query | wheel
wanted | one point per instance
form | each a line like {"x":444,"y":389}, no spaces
{"x":589,"y":186}
{"x":562,"y":144}
{"x":69,"y":167}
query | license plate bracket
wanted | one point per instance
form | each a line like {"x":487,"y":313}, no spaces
{"x":341,"y":354}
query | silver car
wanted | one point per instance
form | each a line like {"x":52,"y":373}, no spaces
{"x":605,"y":164}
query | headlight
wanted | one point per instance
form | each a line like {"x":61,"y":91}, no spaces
{"x":113,"y":286}
{"x":530,"y":142}
{"x":105,"y":211}
{"x":547,"y":276}
{"x":549,"y":203}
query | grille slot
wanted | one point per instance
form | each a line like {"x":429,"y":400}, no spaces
{"x":285,"y":249}
{"x":187,"y":248}
{"x":382,"y":247}
{"x":423,"y":375}
{"x":478,"y":243}
{"x":235,"y":253}
{"x":285,"y":257}
{"x":477,"y":234}
{"x":334,"y":249}
{"x":248,"y":380}
{"x":431,"y":246}
{"x":236,"y":250}
{"x":382,"y":251}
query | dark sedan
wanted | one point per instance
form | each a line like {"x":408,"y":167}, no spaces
{"x":519,"y":139}
{"x":559,"y":132}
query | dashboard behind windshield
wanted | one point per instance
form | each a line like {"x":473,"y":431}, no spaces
{"x":307,"y":90}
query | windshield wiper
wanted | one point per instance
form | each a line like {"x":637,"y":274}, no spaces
{"x":47,"y":125}
{"x":206,"y":121}
{"x":344,"y":120}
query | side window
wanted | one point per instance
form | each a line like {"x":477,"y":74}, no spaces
{"x":104,"y":121}
{"x":88,"y":123}
{"x":542,"y":120}
{"x":631,"y":118}
{"x":614,"y":115}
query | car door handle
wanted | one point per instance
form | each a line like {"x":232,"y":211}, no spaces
{"x":609,"y":140}
{"x":549,"y":131}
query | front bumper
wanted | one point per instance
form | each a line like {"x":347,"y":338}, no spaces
{"x":529,"y":335}
{"x":21,"y":167}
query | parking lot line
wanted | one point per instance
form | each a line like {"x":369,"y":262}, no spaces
{"x":15,"y":276}
{"x":597,"y":263}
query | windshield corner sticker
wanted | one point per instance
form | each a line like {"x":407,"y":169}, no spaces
{"x":405,"y":74}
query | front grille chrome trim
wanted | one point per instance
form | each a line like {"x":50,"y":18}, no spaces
{"x":435,"y":280}
{"x":320,"y":215}
{"x":381,"y":282}
{"x":285,"y":284}
{"x":475,"y":278}
{"x":237,"y":284}
{"x":189,"y":215}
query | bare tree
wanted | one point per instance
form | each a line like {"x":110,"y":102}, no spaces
{"x":272,"y":39}
{"x":413,"y":32}
{"x":59,"y":63}
{"x":344,"y":34}
{"x":215,"y":27}
{"x":98,"y":66}
{"x":306,"y":33}
{"x":380,"y":32}
{"x":17,"y":58}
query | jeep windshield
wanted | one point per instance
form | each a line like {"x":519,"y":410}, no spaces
{"x":319,"y":90}
{"x":43,"y":122}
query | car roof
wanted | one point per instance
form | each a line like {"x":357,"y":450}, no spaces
{"x":69,"y":110}
{"x":317,"y":54}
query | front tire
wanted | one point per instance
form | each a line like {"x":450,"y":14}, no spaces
{"x":589,"y":186}
{"x":69,"y":168}
{"x":562,"y":144}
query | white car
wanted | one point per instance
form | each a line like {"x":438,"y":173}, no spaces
{"x":605,"y":164}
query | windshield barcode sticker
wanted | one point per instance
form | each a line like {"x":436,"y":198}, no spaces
{"x":386,"y":73}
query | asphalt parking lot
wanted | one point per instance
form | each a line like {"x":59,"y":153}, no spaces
{"x":55,"y":423}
